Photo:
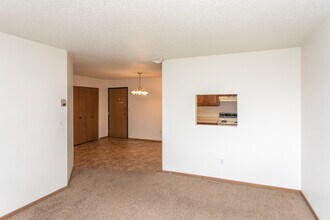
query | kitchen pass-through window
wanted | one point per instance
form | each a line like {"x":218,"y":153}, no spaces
{"x":220,"y":109}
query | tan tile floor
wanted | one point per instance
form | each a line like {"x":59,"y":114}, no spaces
{"x":119,"y":154}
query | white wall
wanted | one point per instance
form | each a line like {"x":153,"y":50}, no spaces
{"x":144,"y":112}
{"x":103,"y":99}
{"x":33,"y":125}
{"x":265,"y":147}
{"x":316,"y":121}
{"x":70,"y":115}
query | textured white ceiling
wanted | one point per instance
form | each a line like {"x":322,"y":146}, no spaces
{"x":116,"y":39}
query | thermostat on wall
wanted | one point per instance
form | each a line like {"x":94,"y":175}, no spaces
{"x":63,"y":102}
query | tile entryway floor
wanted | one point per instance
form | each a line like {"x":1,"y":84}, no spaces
{"x":119,"y":154}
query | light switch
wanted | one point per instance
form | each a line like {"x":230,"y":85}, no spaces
{"x":63,"y":102}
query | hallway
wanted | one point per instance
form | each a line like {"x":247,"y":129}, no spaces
{"x":119,"y":154}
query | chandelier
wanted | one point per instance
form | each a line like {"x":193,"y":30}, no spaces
{"x":139,"y":90}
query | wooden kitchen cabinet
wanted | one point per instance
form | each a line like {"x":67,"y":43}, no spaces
{"x":200,"y":100}
{"x":208,"y":100}
{"x":211,"y":100}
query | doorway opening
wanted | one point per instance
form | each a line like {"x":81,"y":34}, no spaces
{"x":116,"y":149}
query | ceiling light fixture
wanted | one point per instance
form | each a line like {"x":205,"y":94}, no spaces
{"x":139,"y":90}
{"x":158,"y":61}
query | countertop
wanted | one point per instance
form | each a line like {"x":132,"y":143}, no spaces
{"x":207,"y":120}
{"x":216,"y":120}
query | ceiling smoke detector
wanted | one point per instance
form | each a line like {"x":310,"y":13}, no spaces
{"x":158,"y":61}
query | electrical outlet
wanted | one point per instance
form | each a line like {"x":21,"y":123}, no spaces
{"x":221,"y":161}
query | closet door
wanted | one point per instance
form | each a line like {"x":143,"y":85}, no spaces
{"x":83,"y":115}
{"x":76,"y":115}
{"x":92,"y":113}
{"x":86,"y":114}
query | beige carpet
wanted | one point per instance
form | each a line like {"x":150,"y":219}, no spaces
{"x":102,"y":194}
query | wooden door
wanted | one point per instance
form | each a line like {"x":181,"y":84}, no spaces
{"x":85,"y":114}
{"x":76,"y":115}
{"x":92,"y":113}
{"x":118,"y":117}
{"x":82,"y":115}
